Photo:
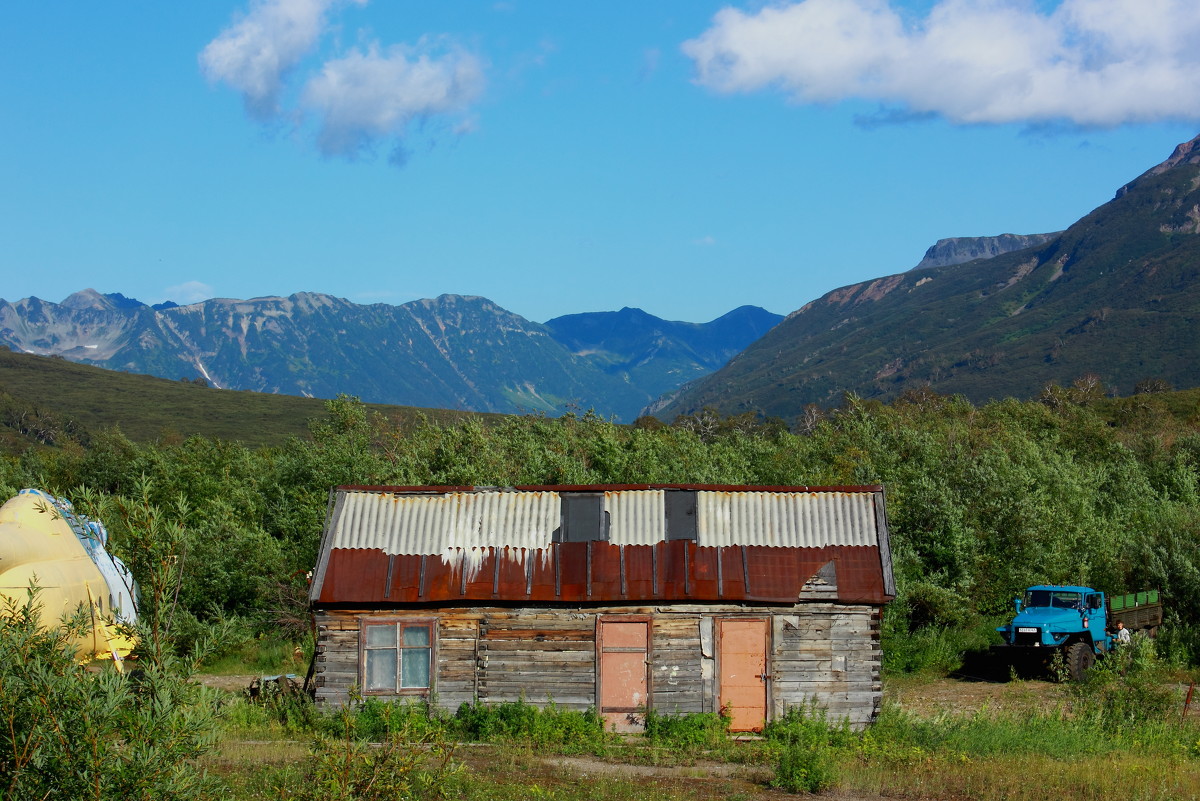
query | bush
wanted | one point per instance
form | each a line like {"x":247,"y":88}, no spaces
{"x":806,"y":741}
{"x":404,"y":765}
{"x":567,"y":730}
{"x":66,"y":732}
{"x":1128,"y":689}
{"x":685,"y":732}
{"x":807,"y":768}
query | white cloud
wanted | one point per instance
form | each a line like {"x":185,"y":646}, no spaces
{"x":255,"y":53}
{"x":371,"y":94}
{"x":188,"y":292}
{"x":356,"y":98}
{"x":1088,"y":62}
{"x":705,"y":241}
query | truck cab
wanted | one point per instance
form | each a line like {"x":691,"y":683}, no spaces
{"x":1070,"y":619}
{"x":1048,"y":616}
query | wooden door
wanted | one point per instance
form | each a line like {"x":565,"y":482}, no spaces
{"x":623,"y":681}
{"x":742,"y":663}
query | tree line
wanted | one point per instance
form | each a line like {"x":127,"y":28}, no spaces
{"x":982,"y":500}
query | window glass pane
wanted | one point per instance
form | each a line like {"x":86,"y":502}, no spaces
{"x":416,"y":635}
{"x":381,"y":670}
{"x":381,"y":636}
{"x":415,"y":667}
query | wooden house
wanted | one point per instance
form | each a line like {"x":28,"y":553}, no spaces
{"x":677,"y":598}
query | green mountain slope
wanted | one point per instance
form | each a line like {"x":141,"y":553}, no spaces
{"x":1117,"y":294}
{"x":50,"y":400}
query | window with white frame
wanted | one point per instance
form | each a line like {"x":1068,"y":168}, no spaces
{"x":397,"y":656}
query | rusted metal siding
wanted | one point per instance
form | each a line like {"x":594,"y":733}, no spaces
{"x":597,"y":571}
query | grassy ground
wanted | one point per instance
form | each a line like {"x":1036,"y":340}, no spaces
{"x":936,"y":739}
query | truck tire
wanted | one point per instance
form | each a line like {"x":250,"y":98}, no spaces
{"x":1080,"y":659}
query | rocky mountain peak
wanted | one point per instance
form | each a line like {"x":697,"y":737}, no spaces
{"x":962,"y":249}
{"x":1186,"y":153}
{"x":87,"y":299}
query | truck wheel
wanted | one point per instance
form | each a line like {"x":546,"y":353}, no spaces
{"x":1080,"y":659}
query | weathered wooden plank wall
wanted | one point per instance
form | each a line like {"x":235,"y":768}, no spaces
{"x":823,"y":653}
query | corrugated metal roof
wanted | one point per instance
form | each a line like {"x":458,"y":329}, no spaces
{"x":458,"y":544}
{"x":437,"y":524}
{"x":400,"y":523}
{"x":786,"y":519}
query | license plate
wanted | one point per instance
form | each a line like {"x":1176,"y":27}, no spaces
{"x":1024,"y":630}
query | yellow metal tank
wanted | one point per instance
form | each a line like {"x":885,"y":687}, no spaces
{"x":43,"y":539}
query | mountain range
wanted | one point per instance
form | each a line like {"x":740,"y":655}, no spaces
{"x":451,"y":352}
{"x":1116,"y":295}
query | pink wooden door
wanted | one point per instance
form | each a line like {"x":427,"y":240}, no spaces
{"x":743,"y":672}
{"x":623,"y":681}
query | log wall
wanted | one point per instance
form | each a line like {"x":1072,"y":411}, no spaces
{"x":820,"y":653}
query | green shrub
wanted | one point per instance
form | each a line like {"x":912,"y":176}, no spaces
{"x":519,"y":721}
{"x":375,"y":720}
{"x":66,"y":732}
{"x":687,"y":732}
{"x":806,"y":742}
{"x":1128,"y":689}
{"x":805,"y":767}
{"x":801,"y":724}
{"x":404,"y":765}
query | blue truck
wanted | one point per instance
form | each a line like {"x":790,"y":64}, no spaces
{"x":1078,"y":622}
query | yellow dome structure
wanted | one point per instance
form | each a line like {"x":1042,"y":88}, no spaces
{"x":43,"y":541}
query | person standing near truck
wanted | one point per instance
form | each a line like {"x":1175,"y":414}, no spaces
{"x":1122,"y":635}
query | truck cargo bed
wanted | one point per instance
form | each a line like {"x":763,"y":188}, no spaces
{"x":1139,"y":612}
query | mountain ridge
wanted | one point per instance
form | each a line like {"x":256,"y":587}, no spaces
{"x":459,"y":352}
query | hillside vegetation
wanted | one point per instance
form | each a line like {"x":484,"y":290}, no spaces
{"x":53,"y":401}
{"x":983,"y":500}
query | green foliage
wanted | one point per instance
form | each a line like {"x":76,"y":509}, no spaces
{"x":982,"y":501}
{"x":806,"y":743}
{"x":403,"y":764}
{"x":66,"y":732}
{"x":1128,"y":690}
{"x":567,"y":731}
{"x":804,"y":767}
{"x":688,"y":732}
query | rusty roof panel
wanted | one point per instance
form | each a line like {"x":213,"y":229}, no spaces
{"x":677,"y":571}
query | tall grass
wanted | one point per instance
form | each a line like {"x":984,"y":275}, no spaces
{"x":1116,"y":736}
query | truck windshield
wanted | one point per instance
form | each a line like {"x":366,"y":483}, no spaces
{"x":1055,"y":598}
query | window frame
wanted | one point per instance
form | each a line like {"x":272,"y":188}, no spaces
{"x":398,"y":624}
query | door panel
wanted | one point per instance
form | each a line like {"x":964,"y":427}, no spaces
{"x":623,"y":681}
{"x":743,"y":669}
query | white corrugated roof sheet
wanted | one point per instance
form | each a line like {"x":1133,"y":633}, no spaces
{"x":795,"y":519}
{"x":399,"y":523}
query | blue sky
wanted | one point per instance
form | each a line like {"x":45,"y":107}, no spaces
{"x":683,"y":157}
